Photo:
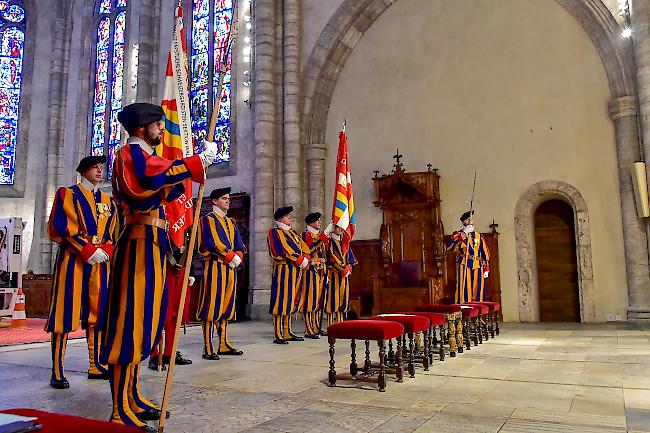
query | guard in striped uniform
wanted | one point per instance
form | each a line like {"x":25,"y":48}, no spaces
{"x":339,"y":269}
{"x":313,"y":276}
{"x":82,"y":222}
{"x":290,"y":256}
{"x":142,"y":184}
{"x":473,"y":263}
{"x":222,"y":247}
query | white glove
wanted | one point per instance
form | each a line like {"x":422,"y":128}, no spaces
{"x":468,"y":228}
{"x":486,"y":274}
{"x":329,"y":229}
{"x":209,"y":154}
{"x":99,"y":256}
{"x":304,"y":264}
{"x":236,"y":261}
{"x":191,"y":281}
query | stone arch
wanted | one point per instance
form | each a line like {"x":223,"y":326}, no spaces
{"x":525,"y":247}
{"x":353,"y":18}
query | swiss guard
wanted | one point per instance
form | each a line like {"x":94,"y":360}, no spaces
{"x":339,"y":269}
{"x":222,"y":247}
{"x":473,"y":263}
{"x":290,"y":256}
{"x":313,"y":276}
{"x":82,"y":222}
{"x":142,"y":184}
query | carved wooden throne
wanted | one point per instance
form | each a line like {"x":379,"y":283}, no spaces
{"x":413,"y":250}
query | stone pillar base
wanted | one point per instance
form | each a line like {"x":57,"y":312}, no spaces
{"x":636,"y":313}
{"x":258,"y":312}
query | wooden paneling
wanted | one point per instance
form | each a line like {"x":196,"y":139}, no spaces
{"x":368,"y":255}
{"x":557,"y":270}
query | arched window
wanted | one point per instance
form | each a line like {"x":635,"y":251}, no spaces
{"x":109,"y":77}
{"x":12,"y":49}
{"x":211,"y":20}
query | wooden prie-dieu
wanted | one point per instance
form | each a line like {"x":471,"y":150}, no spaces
{"x":413,"y":265}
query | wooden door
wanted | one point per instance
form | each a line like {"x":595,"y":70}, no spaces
{"x":557,"y":269}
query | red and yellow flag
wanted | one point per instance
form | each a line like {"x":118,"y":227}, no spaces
{"x":177,"y":137}
{"x":343,"y":206}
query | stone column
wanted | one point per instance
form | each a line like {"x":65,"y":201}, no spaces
{"x":56,"y":122}
{"x":623,"y":113}
{"x":316,"y":153}
{"x":291,"y":91}
{"x":263,"y":94}
{"x":278,"y":178}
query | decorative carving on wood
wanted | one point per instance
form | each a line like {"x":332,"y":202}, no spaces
{"x":411,"y":239}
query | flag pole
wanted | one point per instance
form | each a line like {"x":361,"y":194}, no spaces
{"x":471,"y":210}
{"x":190,"y":251}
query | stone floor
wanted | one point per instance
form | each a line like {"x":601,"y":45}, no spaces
{"x":531,"y":378}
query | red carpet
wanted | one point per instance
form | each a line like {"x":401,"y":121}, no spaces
{"x":55,"y":423}
{"x":32,"y":333}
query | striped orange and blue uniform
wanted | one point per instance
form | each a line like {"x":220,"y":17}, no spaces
{"x":219,"y":241}
{"x":470,"y":265}
{"x":337,"y":302}
{"x":81,"y":221}
{"x":286,"y":248}
{"x":313,"y":279}
{"x":142,"y":185}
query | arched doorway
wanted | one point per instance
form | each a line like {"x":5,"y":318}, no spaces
{"x":557,"y":264}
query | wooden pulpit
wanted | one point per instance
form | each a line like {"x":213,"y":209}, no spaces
{"x":412,"y":243}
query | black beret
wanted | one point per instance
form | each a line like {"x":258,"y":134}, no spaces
{"x":312,"y":217}
{"x":89,"y":161}
{"x":282,"y":211}
{"x":466,"y":215}
{"x":219,"y":192}
{"x":139,"y":114}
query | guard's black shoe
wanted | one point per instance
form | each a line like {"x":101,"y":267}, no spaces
{"x":149,"y":415}
{"x":180,"y":360}
{"x":153,"y":365}
{"x":103,"y":376}
{"x":323,"y":333}
{"x":231,"y":352}
{"x":295,"y":338}
{"x":148,"y":429}
{"x":212,"y":357}
{"x":280,"y":341}
{"x":312,"y":336}
{"x":60,"y":384}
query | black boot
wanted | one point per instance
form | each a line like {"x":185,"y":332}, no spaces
{"x":59,"y":384}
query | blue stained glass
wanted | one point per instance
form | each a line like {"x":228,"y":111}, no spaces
{"x":210,"y":31}
{"x":105,"y":7}
{"x":12,"y":45}
{"x":14,"y":13}
{"x":109,"y":78}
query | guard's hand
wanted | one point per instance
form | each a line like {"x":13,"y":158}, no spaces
{"x":209,"y":154}
{"x":99,"y":256}
{"x":191,"y":280}
{"x":486,"y":274}
{"x":328,"y":230}
{"x":236,"y":261}
{"x":347,"y":271}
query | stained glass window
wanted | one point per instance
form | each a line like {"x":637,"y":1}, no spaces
{"x":12,"y":44}
{"x":109,"y":78}
{"x":211,"y":20}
